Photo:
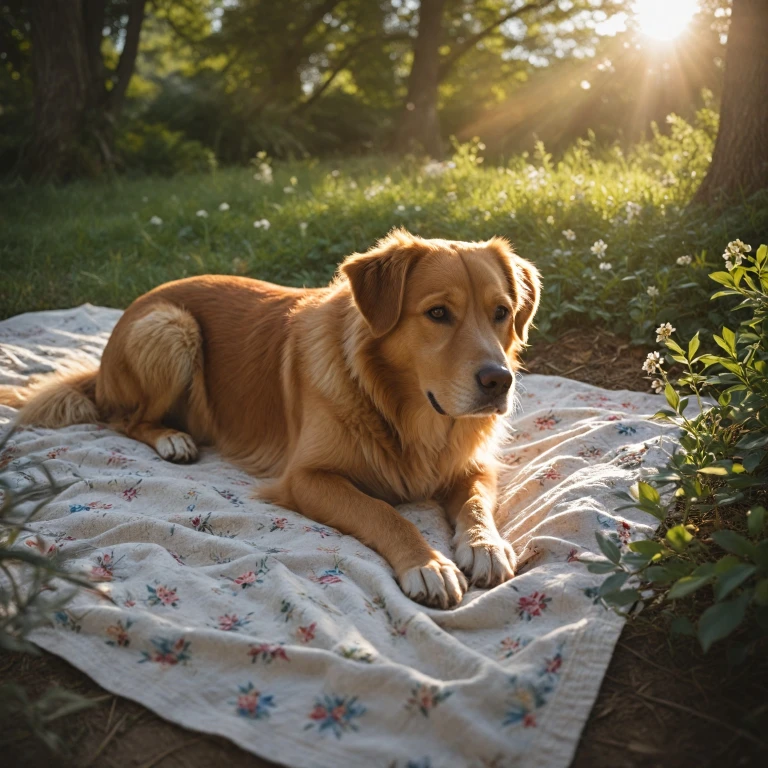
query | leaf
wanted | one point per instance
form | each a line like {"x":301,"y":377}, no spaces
{"x":752,"y":441}
{"x":720,"y":619}
{"x":646,"y":492}
{"x":733,"y":578}
{"x":730,"y":339}
{"x":672,"y":397}
{"x":678,"y":538}
{"x":734,"y":542}
{"x":756,"y":521}
{"x":613,"y":583}
{"x":601,"y":566}
{"x":724,"y":278}
{"x":713,"y":470}
{"x":624,"y":597}
{"x":647,"y":547}
{"x":681,"y":625}
{"x":608,"y":547}
{"x":657,"y":574}
{"x":674,"y":346}
{"x":761,"y":255}
{"x":761,"y":592}
{"x":687,"y":585}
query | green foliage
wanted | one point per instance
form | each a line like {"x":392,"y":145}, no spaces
{"x":153,"y":149}
{"x":96,"y":242}
{"x":709,"y":568}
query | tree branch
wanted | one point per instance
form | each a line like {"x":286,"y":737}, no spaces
{"x":473,"y":40}
{"x":127,"y":61}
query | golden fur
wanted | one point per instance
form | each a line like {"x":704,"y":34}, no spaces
{"x":352,"y":396}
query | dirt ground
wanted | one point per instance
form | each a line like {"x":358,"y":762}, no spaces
{"x":661,"y":704}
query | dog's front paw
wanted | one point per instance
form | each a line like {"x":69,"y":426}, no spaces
{"x":485,"y":557}
{"x":436,"y":582}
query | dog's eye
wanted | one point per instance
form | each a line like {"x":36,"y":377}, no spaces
{"x":501,"y":313}
{"x":438,"y":313}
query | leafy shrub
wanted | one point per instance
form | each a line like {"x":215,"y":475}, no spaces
{"x":153,"y":149}
{"x":709,"y":569}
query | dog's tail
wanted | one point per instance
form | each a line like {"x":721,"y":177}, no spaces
{"x":57,"y":400}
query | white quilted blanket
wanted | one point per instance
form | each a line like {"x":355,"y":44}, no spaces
{"x":235,"y":617}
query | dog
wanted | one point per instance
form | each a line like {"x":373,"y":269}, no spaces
{"x":387,"y":386}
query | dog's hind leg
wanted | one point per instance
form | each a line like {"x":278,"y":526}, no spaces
{"x":147,"y":376}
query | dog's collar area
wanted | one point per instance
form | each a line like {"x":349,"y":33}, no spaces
{"x":435,"y":404}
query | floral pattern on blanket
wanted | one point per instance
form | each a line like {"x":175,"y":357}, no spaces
{"x":294,"y":640}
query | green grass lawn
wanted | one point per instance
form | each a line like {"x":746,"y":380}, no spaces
{"x":96,"y":242}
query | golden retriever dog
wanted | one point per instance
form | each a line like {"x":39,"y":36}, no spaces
{"x":387,"y":386}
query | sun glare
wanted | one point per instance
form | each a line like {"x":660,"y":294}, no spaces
{"x":664,"y":19}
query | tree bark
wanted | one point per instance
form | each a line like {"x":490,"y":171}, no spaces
{"x":740,"y":158}
{"x":73,"y":107}
{"x":419,"y":127}
{"x":61,"y":88}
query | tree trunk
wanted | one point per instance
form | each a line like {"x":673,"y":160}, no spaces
{"x":61,"y":88}
{"x":75,"y":113}
{"x":740,"y":159}
{"x":419,"y":127}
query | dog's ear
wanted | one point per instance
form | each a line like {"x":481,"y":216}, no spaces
{"x":377,"y":279}
{"x":525,"y":285}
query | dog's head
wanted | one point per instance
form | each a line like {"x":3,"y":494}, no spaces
{"x":451,"y":314}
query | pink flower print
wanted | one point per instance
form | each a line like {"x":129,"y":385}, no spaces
{"x":54,"y":453}
{"x":129,"y":603}
{"x":529,"y":721}
{"x":624,"y":530}
{"x":162,"y":595}
{"x":552,"y":666}
{"x":245,"y":579}
{"x":118,"y":634}
{"x":278,"y":524}
{"x":307,"y":634}
{"x":546,"y":422}
{"x":573,"y":555}
{"x":129,"y":494}
{"x":532,"y":605}
{"x":613,"y":417}
{"x":426,"y":697}
{"x":231,"y":622}
{"x":267,"y":653}
{"x":104,"y":570}
{"x":39,"y":546}
{"x":548,"y":473}
{"x":116,"y":459}
{"x":590,"y":452}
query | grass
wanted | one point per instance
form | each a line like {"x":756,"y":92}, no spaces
{"x":93,"y":242}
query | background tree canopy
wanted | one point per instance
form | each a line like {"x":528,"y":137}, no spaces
{"x":166,"y":86}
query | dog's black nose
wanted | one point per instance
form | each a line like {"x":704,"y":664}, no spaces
{"x":494,"y":379}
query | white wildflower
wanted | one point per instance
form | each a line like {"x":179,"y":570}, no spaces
{"x":684,"y":261}
{"x":145,"y":199}
{"x":633,"y":211}
{"x":734,"y":254}
{"x":417,"y":208}
{"x":265,"y":173}
{"x":400,"y":208}
{"x":156,"y":221}
{"x":605,"y":266}
{"x":599,"y":248}
{"x":652,"y":362}
{"x":664,"y":331}
{"x":289,"y":190}
{"x":569,"y":234}
{"x":503,"y":196}
{"x":334,"y":173}
{"x":512,"y":215}
{"x":550,"y":220}
{"x":303,"y":226}
{"x":657,"y":385}
{"x":224,"y":207}
{"x":652,"y":291}
{"x":451,"y":196}
{"x":262,"y":224}
{"x":202,"y":214}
